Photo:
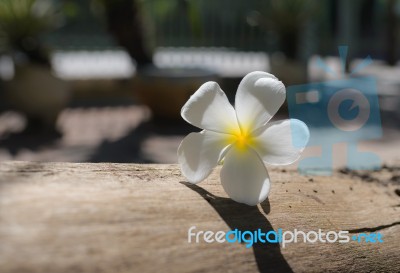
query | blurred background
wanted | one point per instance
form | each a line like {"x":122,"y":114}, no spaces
{"x":104,"y":80}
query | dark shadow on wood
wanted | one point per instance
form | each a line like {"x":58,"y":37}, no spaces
{"x":268,"y":256}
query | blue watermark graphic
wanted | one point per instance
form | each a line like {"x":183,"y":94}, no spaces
{"x":338,"y":111}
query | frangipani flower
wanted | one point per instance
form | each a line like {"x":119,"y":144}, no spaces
{"x":241,"y":136}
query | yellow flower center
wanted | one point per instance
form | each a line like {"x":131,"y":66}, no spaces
{"x":241,"y":138}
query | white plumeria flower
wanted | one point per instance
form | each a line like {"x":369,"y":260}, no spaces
{"x":240,"y":136}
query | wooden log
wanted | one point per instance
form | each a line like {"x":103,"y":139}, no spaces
{"x":70,"y":217}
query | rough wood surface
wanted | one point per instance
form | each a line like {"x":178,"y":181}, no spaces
{"x":65,"y":217}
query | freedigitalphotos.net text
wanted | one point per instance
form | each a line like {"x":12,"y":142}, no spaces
{"x":283,"y":237}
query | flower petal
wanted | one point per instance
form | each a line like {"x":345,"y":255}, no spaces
{"x":244,"y":176}
{"x":208,"y":108}
{"x":258,"y":98}
{"x":281,"y":142}
{"x":199,"y":153}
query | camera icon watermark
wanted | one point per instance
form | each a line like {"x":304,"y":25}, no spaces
{"x":338,"y":111}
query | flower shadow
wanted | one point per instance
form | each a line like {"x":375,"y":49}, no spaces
{"x":243,"y":217}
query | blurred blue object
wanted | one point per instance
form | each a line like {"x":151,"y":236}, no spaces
{"x":337,"y":111}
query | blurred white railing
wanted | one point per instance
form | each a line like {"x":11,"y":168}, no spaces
{"x":117,"y":63}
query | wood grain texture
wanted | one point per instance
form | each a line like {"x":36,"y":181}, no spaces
{"x":70,"y":217}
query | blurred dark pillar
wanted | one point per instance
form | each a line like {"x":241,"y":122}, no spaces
{"x":391,"y":42}
{"x":125,"y":24}
{"x":346,"y":35}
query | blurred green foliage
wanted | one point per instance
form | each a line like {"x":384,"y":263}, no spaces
{"x":22,"y":24}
